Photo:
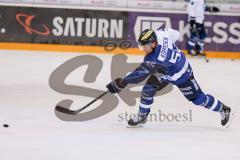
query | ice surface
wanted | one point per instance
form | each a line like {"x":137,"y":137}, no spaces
{"x":27,"y":104}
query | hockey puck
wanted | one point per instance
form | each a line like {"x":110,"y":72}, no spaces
{"x":5,"y":125}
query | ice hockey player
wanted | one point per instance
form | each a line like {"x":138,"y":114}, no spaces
{"x":196,"y":9}
{"x":162,"y":56}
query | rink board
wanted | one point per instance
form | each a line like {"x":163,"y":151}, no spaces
{"x":75,"y":29}
{"x":98,"y":49}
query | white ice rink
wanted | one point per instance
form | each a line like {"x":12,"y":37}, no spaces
{"x":27,"y":104}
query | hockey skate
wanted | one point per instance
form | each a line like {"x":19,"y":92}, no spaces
{"x":192,"y":52}
{"x":227,"y":116}
{"x":138,"y":121}
{"x":201,"y":52}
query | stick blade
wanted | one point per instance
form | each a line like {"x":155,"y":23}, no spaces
{"x":65,"y":110}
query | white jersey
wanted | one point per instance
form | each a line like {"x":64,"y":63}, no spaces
{"x":171,"y":34}
{"x":196,"y":9}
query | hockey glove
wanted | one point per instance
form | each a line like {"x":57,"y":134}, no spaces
{"x":117,"y":85}
{"x":212,"y":9}
{"x":215,"y":9}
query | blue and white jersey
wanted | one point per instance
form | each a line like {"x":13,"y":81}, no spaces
{"x":166,"y":58}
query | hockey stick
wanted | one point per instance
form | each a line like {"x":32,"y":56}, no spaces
{"x":74,"y":112}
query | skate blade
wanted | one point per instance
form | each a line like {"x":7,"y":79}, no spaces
{"x":137,"y":126}
{"x":232,"y":114}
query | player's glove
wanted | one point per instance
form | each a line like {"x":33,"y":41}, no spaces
{"x":117,"y":85}
{"x":212,"y":9}
{"x":215,"y":9}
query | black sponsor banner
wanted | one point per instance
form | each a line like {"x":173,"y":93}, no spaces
{"x":62,"y":26}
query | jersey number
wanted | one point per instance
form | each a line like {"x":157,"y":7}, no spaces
{"x":175,"y":56}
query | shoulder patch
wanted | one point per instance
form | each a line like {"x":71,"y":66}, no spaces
{"x":150,"y":64}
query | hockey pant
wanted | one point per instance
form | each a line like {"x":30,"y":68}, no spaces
{"x":190,"y":89}
{"x":197,"y":36}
